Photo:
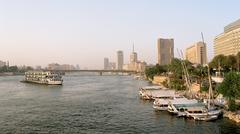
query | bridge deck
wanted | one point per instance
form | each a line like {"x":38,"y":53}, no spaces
{"x":100,"y":71}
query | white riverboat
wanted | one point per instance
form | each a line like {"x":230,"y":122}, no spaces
{"x":43,"y":77}
{"x":162,"y":104}
{"x":203,"y":114}
{"x":182,"y":106}
{"x":156,"y":92}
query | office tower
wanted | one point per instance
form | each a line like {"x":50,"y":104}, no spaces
{"x":133,"y":56}
{"x":228,"y":42}
{"x":197,"y":53}
{"x":165,"y":51}
{"x":106,"y":63}
{"x":120,"y":60}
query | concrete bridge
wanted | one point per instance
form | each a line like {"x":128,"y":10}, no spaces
{"x":98,"y":71}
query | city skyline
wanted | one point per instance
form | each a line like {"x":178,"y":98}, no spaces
{"x":81,"y":32}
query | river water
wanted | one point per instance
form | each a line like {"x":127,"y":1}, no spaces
{"x":91,"y":104}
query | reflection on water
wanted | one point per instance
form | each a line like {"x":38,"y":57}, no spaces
{"x":90,"y":104}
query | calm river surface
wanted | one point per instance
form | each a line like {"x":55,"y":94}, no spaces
{"x":91,"y":104}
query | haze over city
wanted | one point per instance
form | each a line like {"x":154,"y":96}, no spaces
{"x":84,"y":32}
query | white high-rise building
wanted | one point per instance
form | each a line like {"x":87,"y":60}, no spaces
{"x":120,"y":60}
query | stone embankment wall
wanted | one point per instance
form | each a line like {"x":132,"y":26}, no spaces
{"x":159,"y":79}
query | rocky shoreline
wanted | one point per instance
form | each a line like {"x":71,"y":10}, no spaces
{"x":234,"y":116}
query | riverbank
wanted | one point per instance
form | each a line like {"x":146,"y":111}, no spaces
{"x":234,"y":116}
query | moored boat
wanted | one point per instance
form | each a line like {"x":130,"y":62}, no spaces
{"x":152,"y":92}
{"x":162,"y":104}
{"x":203,"y":114}
{"x":181,"y":106}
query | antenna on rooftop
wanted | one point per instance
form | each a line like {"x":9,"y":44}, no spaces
{"x":202,"y":37}
{"x":133,"y":47}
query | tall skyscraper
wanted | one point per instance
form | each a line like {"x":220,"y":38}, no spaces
{"x":106,"y":63}
{"x":133,"y":56}
{"x":134,"y":64}
{"x":165,"y":51}
{"x":228,"y":42}
{"x":120,"y":60}
{"x":197,"y":53}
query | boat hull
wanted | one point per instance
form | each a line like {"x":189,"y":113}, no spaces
{"x":158,"y":108}
{"x":44,"y":83}
{"x":207,"y":116}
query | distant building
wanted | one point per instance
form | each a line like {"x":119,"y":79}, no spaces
{"x":2,"y":63}
{"x":112,"y":65}
{"x":77,"y":67}
{"x":165,"y":51}
{"x":133,"y":56}
{"x":228,"y":42}
{"x":134,"y":64}
{"x":67,"y":67}
{"x":137,"y":66}
{"x":120,"y":60}
{"x":197,"y":53}
{"x":53,"y":66}
{"x":38,"y":68}
{"x":106,"y":63}
{"x":56,"y":66}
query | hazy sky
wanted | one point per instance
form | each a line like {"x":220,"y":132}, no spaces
{"x":38,"y":32}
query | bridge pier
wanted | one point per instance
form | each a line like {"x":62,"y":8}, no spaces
{"x":100,"y":73}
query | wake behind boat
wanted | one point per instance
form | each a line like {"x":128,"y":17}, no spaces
{"x":43,"y":77}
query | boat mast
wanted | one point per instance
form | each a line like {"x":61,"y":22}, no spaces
{"x":210,"y":88}
{"x":185,"y":71}
{"x":209,"y":80}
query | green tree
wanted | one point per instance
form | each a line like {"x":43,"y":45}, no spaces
{"x":3,"y":69}
{"x":231,"y":62}
{"x":150,"y":72}
{"x":29,"y":68}
{"x":230,"y":88}
{"x":155,"y":70}
{"x":176,"y":68}
{"x":13,"y":69}
{"x":177,"y":84}
{"x":238,"y":61}
{"x":219,"y":60}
